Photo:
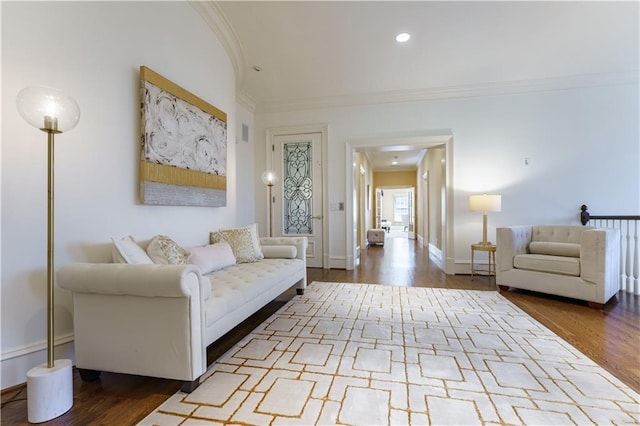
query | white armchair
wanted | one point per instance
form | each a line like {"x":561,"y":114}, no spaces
{"x":570,"y":261}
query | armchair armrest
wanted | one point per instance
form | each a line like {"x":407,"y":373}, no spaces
{"x":511,"y":241}
{"x":600,"y":258}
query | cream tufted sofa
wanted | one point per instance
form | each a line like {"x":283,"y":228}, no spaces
{"x":571,"y":261}
{"x":157,"y":320}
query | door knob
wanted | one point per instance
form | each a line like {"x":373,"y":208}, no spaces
{"x":316,"y":217}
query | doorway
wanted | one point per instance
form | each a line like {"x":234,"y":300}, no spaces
{"x":441,"y":140}
{"x":395,"y":212}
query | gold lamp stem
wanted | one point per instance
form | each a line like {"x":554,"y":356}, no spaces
{"x":484,"y":229}
{"x":50,"y":264}
{"x":270,"y":211}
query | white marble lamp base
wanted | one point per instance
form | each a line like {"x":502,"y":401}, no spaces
{"x":49,"y":391}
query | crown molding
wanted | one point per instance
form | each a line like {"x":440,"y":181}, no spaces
{"x":246,"y":101}
{"x":455,"y":92}
{"x":218,"y":22}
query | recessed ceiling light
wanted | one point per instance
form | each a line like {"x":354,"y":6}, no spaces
{"x":395,"y":163}
{"x":403,"y":37}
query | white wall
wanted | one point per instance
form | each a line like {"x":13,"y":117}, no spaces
{"x":245,"y":176}
{"x":583,"y":146}
{"x":93,"y":51}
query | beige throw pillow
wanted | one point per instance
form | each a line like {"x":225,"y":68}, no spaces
{"x":244,"y":242}
{"x":554,"y":249}
{"x":164,"y":250}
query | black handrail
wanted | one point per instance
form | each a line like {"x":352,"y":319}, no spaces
{"x":585,"y":216}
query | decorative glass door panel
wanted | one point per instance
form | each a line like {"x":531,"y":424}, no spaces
{"x":297,"y":201}
{"x":297,"y":188}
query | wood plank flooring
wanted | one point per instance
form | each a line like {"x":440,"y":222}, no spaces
{"x":609,"y":337}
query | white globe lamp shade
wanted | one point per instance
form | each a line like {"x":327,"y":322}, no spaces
{"x":269,"y":178}
{"x":48,"y":109}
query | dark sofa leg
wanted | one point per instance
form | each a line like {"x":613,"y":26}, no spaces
{"x":89,"y":375}
{"x":595,"y":305}
{"x":503,"y":287}
{"x":188,"y":387}
{"x":299,"y":291}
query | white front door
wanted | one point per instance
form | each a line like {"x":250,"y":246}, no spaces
{"x":297,"y":203}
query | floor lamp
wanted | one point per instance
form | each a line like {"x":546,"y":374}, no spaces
{"x":49,"y":385}
{"x":485,"y":203}
{"x":270,"y":178}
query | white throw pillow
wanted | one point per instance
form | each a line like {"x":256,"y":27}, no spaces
{"x":126,"y":250}
{"x":279,"y":252}
{"x":243,"y":241}
{"x":164,"y":250}
{"x":212,"y":257}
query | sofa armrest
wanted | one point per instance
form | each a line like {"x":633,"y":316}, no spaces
{"x":138,"y":319}
{"x":124,"y":279}
{"x":299,"y":242}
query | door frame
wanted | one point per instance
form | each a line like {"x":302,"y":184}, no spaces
{"x":424,"y":140}
{"x":323,"y":129}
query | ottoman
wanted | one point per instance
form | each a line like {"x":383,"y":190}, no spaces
{"x":375,"y":236}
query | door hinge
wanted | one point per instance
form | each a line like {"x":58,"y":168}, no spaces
{"x":273,"y":148}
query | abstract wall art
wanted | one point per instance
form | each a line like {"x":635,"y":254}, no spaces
{"x":183,"y":158}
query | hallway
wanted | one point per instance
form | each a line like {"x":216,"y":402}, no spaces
{"x":399,"y":262}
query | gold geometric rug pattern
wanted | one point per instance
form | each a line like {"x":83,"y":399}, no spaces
{"x":361,"y":354}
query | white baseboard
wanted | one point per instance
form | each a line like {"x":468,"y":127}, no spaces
{"x":435,"y":254}
{"x":464,"y":267}
{"x":336,"y":262}
{"x":16,"y":363}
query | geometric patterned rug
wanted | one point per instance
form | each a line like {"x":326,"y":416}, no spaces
{"x":361,"y":354}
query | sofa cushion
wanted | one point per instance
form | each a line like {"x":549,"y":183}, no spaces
{"x":212,"y":257}
{"x":544,"y":263}
{"x":126,"y":250}
{"x":243,"y":241}
{"x":554,"y":249}
{"x":163,"y":250}
{"x":238,"y":284}
{"x":283,"y":252}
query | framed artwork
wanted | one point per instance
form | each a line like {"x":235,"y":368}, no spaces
{"x":183,"y":158}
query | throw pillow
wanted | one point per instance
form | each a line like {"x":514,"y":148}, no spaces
{"x":212,"y":257}
{"x":164,"y":250}
{"x":243,"y":241}
{"x":554,"y":249}
{"x":279,"y":252}
{"x":126,"y":250}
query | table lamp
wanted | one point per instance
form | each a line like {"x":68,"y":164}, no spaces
{"x":485,"y":203}
{"x":49,"y":385}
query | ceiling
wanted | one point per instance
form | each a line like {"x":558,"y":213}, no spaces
{"x":330,"y":53}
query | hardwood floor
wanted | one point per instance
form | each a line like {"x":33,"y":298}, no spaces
{"x":609,"y":337}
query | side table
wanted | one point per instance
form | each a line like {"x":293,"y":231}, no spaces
{"x":491,"y":253}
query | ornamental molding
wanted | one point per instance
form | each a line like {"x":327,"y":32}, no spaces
{"x":455,"y":92}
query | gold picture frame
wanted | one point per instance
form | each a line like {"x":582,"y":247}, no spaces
{"x":183,"y":157}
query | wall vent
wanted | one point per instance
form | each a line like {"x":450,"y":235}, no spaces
{"x":245,"y":133}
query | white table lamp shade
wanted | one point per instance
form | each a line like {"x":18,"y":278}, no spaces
{"x":485,"y":203}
